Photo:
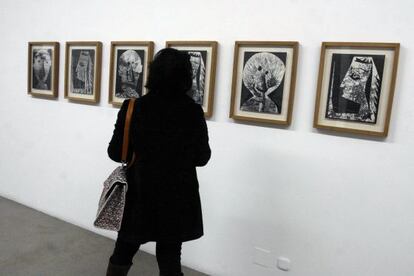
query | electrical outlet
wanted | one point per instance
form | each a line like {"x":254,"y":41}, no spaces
{"x":283,"y":263}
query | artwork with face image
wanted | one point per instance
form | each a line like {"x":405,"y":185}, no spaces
{"x":82,"y":71}
{"x":355,"y":87}
{"x":129,"y":69}
{"x":263,"y":82}
{"x":42,"y":68}
{"x":198,"y":63}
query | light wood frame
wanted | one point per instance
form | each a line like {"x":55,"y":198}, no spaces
{"x":264,"y":44}
{"x":55,"y":69}
{"x":150,"y":53}
{"x":97,"y":75}
{"x":208,"y":109}
{"x":358,"y":45}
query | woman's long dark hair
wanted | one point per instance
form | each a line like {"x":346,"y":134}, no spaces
{"x":170,"y":73}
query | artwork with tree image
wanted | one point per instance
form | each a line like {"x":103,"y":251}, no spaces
{"x":42,"y":68}
{"x":355,"y":87}
{"x":82,"y":71}
{"x":263,"y":82}
{"x":129,"y":68}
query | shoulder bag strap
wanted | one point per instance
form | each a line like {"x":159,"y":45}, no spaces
{"x":125,"y":143}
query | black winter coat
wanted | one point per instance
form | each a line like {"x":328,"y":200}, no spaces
{"x":169,"y":138}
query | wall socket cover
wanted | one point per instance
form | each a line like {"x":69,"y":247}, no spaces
{"x":283,"y":263}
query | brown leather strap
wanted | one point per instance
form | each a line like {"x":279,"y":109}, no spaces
{"x":125,"y":142}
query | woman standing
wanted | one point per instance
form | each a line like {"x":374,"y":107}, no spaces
{"x":169,"y":139}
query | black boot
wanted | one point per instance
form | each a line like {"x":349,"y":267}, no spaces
{"x":117,"y":270}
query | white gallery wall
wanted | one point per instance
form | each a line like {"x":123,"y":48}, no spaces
{"x":334,"y":204}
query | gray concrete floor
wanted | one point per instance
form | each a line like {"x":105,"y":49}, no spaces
{"x":35,"y":244}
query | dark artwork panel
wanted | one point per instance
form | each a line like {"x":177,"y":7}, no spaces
{"x":355,"y":87}
{"x":42,"y":69}
{"x":263,"y":82}
{"x":82,"y":71}
{"x":129,"y":73}
{"x":198,"y":62}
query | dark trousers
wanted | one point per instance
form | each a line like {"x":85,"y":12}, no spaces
{"x":168,"y":255}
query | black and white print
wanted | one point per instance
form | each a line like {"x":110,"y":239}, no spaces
{"x":263,"y":82}
{"x":42,"y":68}
{"x":355,"y":87}
{"x":203,"y":58}
{"x":82,"y":71}
{"x":129,"y":73}
{"x":198,"y":62}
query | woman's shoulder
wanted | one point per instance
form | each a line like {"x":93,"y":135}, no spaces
{"x":180,"y":100}
{"x":125,"y":104}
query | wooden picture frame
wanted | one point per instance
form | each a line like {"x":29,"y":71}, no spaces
{"x":43,"y":69}
{"x":204,"y":59}
{"x":264,"y":79}
{"x":356,"y":86}
{"x":83,"y":71}
{"x":128,"y":71}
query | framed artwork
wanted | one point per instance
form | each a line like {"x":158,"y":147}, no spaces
{"x":43,"y":69}
{"x":264,"y":76}
{"x":203,"y":56}
{"x":356,"y":87}
{"x":83,"y":71}
{"x":128,"y":69}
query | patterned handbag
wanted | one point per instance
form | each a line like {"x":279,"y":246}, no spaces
{"x":112,"y":201}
